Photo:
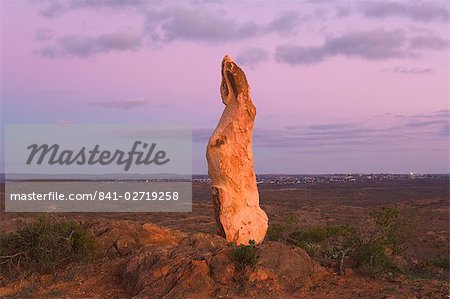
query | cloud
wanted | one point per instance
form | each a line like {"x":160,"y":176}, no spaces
{"x":321,"y":127}
{"x":252,"y":56}
{"x":412,"y":70}
{"x":445,"y":130}
{"x":343,"y":11}
{"x":423,"y":128}
{"x":306,"y":138}
{"x":293,"y":54}
{"x":146,"y":132}
{"x":420,"y":11}
{"x":442,"y":113}
{"x":124,"y":104}
{"x":431,"y":120}
{"x":371,"y":44}
{"x":204,"y":25}
{"x":445,"y":113}
{"x":44,"y":34}
{"x":85,"y":46}
{"x":55,"y":8}
{"x":429,"y":42}
{"x":427,"y":123}
{"x":285,"y":22}
{"x":195,"y":24}
{"x":338,"y":126}
{"x":435,"y":124}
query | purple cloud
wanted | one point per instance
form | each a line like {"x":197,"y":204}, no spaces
{"x":252,"y":56}
{"x":85,"y":46}
{"x":124,"y":104}
{"x":429,"y":42}
{"x":204,"y":25}
{"x":412,"y":70}
{"x":421,"y":11}
{"x":371,"y":44}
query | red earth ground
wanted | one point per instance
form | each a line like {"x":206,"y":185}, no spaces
{"x":341,"y":203}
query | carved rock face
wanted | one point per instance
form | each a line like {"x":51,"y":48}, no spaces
{"x":230,"y":162}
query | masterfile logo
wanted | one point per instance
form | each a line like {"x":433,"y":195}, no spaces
{"x":98,"y":168}
{"x":53,"y":155}
{"x":45,"y":151}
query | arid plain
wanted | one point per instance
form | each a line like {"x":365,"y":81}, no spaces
{"x":291,"y":207}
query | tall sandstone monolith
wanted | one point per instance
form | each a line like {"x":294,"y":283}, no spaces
{"x":230,"y":162}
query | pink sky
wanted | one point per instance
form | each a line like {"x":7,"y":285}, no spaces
{"x":338,"y":86}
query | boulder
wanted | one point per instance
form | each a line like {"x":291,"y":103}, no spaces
{"x":199,"y":265}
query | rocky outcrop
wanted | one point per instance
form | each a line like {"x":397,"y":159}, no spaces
{"x":230,"y":162}
{"x":199,"y":265}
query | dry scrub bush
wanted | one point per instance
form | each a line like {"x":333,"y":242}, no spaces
{"x":43,"y":245}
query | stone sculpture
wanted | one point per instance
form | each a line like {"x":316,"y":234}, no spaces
{"x":230,"y":162}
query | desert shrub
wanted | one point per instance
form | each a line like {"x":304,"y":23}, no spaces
{"x":313,"y":235}
{"x":370,"y":253}
{"x":437,"y":267}
{"x":372,"y":260}
{"x":320,"y":240}
{"x":393,"y":228}
{"x":244,"y":256}
{"x":278,"y":231}
{"x":441,"y":262}
{"x":308,"y":239}
{"x":290,"y":220}
{"x":43,"y":245}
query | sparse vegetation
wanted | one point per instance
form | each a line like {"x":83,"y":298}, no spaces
{"x":312,"y":240}
{"x":392,"y":229}
{"x":423,"y":265}
{"x":43,"y":245}
{"x":244,"y":256}
{"x":372,"y":259}
{"x":441,"y":262}
{"x":370,"y":253}
{"x":278,"y":231}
